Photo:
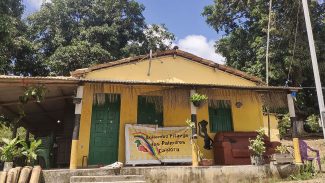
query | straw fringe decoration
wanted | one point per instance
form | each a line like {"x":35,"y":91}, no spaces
{"x":274,"y":100}
{"x":220,"y":103}
{"x":174,"y":97}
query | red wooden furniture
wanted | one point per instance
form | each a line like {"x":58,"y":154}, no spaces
{"x":231,"y":148}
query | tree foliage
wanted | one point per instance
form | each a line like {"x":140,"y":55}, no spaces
{"x":72,"y":34}
{"x":312,"y":123}
{"x":244,"y":44}
{"x":10,"y":31}
{"x":65,"y":35}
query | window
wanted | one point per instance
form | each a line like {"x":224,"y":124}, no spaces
{"x":150,"y":110}
{"x":220,"y":116}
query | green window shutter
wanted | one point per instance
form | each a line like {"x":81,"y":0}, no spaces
{"x":150,"y":110}
{"x":220,"y":116}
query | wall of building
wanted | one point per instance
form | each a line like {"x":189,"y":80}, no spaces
{"x":169,"y":69}
{"x":176,"y":110}
{"x":274,"y":131}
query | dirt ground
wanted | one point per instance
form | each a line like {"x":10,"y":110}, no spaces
{"x":316,"y":143}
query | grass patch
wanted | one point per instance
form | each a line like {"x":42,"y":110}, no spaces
{"x":306,"y":172}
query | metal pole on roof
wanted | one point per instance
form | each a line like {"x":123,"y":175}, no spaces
{"x":268,"y":44}
{"x":267,"y":65}
{"x":150,"y":58}
{"x":314,"y":64}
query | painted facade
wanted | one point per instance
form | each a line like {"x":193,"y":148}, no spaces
{"x":176,"y":104}
{"x":274,"y":131}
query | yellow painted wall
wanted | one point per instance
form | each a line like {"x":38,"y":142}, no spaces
{"x":169,"y":69}
{"x":249,"y":117}
{"x":275,"y":135}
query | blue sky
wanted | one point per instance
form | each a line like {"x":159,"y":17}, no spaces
{"x":181,"y":17}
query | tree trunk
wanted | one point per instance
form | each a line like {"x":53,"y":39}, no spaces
{"x":27,"y":136}
{"x":14,"y":131}
{"x":300,"y":127}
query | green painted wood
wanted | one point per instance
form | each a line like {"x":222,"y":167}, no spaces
{"x":220,"y":118}
{"x":147,"y":113}
{"x":103,"y":147}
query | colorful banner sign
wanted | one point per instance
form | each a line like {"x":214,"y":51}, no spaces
{"x":152,"y":145}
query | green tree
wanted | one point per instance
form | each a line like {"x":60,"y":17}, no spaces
{"x":244,"y":24}
{"x":10,"y":25}
{"x":72,"y":34}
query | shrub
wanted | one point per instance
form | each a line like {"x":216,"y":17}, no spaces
{"x":312,"y":123}
{"x":257,"y":145}
{"x":30,"y":151}
{"x":10,"y":150}
{"x":282,"y":149}
{"x":284,"y":124}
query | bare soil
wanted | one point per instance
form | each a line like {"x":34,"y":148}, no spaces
{"x":316,"y":142}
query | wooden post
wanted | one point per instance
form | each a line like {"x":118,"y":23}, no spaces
{"x":195,"y":159}
{"x":293,"y":120}
{"x":36,"y":175}
{"x":3,"y":176}
{"x":75,"y":134}
{"x":25,"y":174}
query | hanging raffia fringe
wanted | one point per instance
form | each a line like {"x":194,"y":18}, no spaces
{"x":274,"y":99}
{"x":97,"y":87}
{"x":220,"y":103}
{"x":172,"y":96}
{"x":157,"y":101}
{"x":177,"y":97}
{"x":106,"y":92}
{"x":99,"y":99}
{"x":216,"y":95}
{"x":98,"y":93}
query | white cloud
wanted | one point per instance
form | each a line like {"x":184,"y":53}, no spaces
{"x":200,"y":46}
{"x":36,"y":3}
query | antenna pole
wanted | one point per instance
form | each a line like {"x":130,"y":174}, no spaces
{"x":314,"y":63}
{"x":150,"y":58}
{"x":268,"y":44}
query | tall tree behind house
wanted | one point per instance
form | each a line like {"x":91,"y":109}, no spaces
{"x":72,"y":34}
{"x":244,"y":43}
{"x":65,"y":35}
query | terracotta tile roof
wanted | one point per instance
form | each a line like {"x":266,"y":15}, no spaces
{"x":194,"y":58}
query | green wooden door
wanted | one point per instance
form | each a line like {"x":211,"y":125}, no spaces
{"x":103,"y":147}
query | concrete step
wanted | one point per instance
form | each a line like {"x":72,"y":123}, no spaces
{"x":119,"y":182}
{"x":108,"y":178}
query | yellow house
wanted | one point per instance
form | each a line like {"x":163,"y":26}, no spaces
{"x":155,"y":90}
{"x":271,"y":123}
